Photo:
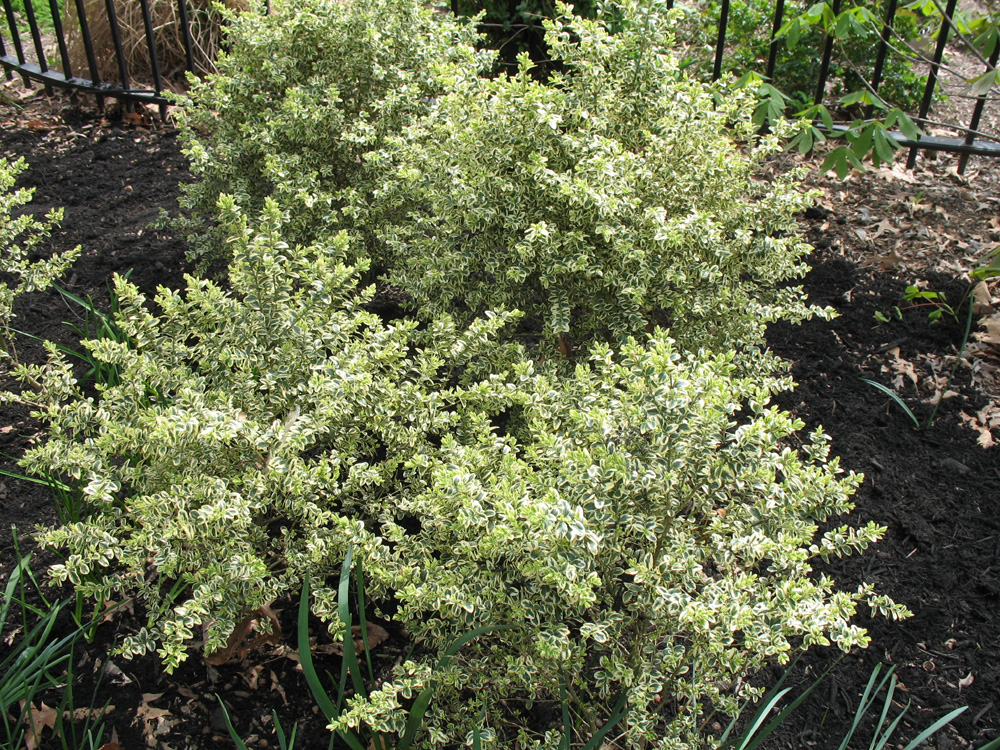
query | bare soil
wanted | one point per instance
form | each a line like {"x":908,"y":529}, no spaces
{"x":937,"y":488}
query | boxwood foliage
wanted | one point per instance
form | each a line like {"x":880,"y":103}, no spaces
{"x":638,"y":526}
{"x":302,"y":92}
{"x":617,"y":195}
{"x":24,"y":267}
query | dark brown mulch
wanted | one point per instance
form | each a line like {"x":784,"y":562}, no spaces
{"x":935,"y":488}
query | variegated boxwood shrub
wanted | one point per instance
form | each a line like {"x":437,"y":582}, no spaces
{"x":616,"y":196}
{"x":303,"y":91}
{"x":638,"y":525}
{"x":632,"y":521}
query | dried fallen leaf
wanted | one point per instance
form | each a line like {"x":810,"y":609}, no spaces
{"x":882,"y":227}
{"x":985,"y":438}
{"x":152,"y":719}
{"x":242,"y":641}
{"x":992,"y":333}
{"x":888,"y":261}
{"x":982,"y":300}
{"x":902,"y":367}
{"x":37,"y":719}
{"x":91,"y":714}
{"x":276,"y":687}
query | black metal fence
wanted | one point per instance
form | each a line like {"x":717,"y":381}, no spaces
{"x":49,"y":61}
{"x":53,"y":65}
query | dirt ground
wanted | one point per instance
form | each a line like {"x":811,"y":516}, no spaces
{"x":937,"y":488}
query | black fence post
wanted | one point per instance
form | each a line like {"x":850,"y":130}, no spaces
{"x":925,"y":103}
{"x":154,"y":60}
{"x":116,"y":38}
{"x":720,"y":43}
{"x":60,"y":38}
{"x":824,"y":67}
{"x":15,"y":39}
{"x":88,"y":48}
{"x":883,"y":47}
{"x":186,"y":34}
{"x":36,"y":38}
{"x":772,"y":54}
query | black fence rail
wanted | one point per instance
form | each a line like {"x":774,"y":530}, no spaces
{"x":45,"y":55}
{"x":60,"y":72}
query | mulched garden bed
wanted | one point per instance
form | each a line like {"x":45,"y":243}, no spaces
{"x":935,"y":488}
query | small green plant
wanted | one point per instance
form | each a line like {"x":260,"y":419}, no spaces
{"x":937,"y":301}
{"x":22,"y":239}
{"x":800,"y":44}
{"x":42,"y":12}
{"x":40,"y":661}
{"x":756,"y":731}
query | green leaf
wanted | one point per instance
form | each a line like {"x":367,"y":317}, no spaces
{"x":794,"y":34}
{"x":898,"y":118}
{"x":982,"y":85}
{"x":803,"y":141}
{"x":895,"y":397}
{"x":843,"y":26}
{"x":863,"y":141}
{"x":987,"y":41}
{"x":884,"y":146}
{"x":944,"y":720}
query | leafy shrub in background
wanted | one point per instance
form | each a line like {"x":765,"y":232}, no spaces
{"x":302,"y":93}
{"x":617,"y":196}
{"x":796,"y":73}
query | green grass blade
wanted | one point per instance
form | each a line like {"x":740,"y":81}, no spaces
{"x":778,"y":720}
{"x":229,"y":726}
{"x":344,"y":612}
{"x":12,"y":584}
{"x":47,"y":481}
{"x":890,"y":730}
{"x":895,"y":397}
{"x":867,"y":698}
{"x":881,"y":719}
{"x":617,"y":714}
{"x":284,"y":742}
{"x":309,"y":670}
{"x":992,"y":745}
{"x":305,"y":658}
{"x":947,"y":719}
{"x":567,"y":721}
{"x":762,"y":714}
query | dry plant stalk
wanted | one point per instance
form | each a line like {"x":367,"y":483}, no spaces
{"x":206,"y":37}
